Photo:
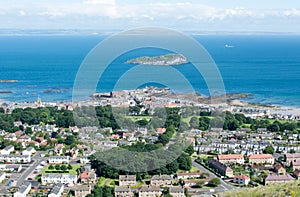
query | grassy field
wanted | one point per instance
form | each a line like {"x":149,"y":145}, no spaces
{"x":72,"y":171}
{"x":193,"y":169}
{"x":106,"y":182}
{"x":277,"y":190}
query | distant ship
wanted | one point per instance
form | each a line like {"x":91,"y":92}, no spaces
{"x":229,"y":46}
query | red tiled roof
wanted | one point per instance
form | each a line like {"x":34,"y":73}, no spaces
{"x":242,"y":176}
{"x":260,"y":156}
{"x":230,"y":156}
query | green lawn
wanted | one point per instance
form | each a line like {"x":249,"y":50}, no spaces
{"x":72,"y":171}
{"x":106,"y":182}
{"x":193,"y":169}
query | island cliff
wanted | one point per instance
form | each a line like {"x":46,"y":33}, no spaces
{"x":164,"y":60}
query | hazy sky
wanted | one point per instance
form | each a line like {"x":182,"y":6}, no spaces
{"x":197,"y":15}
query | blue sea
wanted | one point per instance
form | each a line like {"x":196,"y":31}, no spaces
{"x":267,"y":66}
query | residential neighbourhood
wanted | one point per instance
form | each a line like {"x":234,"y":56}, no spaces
{"x":51,"y":160}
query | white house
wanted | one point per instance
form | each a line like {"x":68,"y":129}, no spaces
{"x":7,"y":150}
{"x":84,"y":160}
{"x":23,"y":190}
{"x":13,"y":168}
{"x":57,"y":190}
{"x":241,"y":179}
{"x":29,"y":151}
{"x":70,"y":179}
{"x":58,"y":159}
{"x":15,"y":158}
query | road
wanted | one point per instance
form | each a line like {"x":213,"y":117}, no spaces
{"x":224,"y":185}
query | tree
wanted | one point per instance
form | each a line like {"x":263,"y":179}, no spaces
{"x":70,"y":140}
{"x":51,"y":167}
{"x":70,"y":167}
{"x":164,"y":139}
{"x":194,"y":123}
{"x":28,"y":131}
{"x":57,"y":167}
{"x":269,"y":150}
{"x":215,"y":182}
{"x":190,"y":149}
{"x":292,"y":151}
{"x":200,"y":184}
{"x":63,"y":168}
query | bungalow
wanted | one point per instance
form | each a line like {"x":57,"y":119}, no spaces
{"x":150,"y":191}
{"x":70,"y":179}
{"x":278,"y":179}
{"x":28,"y":151}
{"x":23,"y":190}
{"x":188,"y":175}
{"x":88,"y":177}
{"x":261,"y":158}
{"x":25,"y":138}
{"x":192,"y":182}
{"x":161,"y":180}
{"x":2,"y":176}
{"x":57,"y":190}
{"x":81,"y":190}
{"x":127,"y":180}
{"x":7,"y":150}
{"x":58,"y":159}
{"x":123,"y":191}
{"x":241,"y":179}
{"x":74,"y":129}
{"x":220,"y":168}
{"x":177,"y":191}
{"x":231,"y":158}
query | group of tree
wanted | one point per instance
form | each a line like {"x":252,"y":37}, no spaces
{"x":62,"y":167}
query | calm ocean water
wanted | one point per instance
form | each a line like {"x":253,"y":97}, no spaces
{"x":268,"y":66}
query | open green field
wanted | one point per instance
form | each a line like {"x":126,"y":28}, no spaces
{"x":193,"y":169}
{"x":278,"y":190}
{"x":106,"y":182}
{"x":72,"y":171}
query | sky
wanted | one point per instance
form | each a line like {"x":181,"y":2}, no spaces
{"x":186,"y":15}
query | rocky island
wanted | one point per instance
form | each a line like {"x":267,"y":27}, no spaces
{"x":164,"y":60}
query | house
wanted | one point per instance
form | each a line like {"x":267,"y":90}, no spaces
{"x":81,"y":190}
{"x":88,"y":177}
{"x":127,"y":180}
{"x":220,"y":168}
{"x":7,"y":150}
{"x":2,"y":132}
{"x":15,"y":158}
{"x":13,"y":168}
{"x":177,"y":191}
{"x":161,"y":180}
{"x":23,"y":190}
{"x":291,"y":157}
{"x":25,"y":138}
{"x":74,"y":129}
{"x":279,"y":169}
{"x":58,"y":160}
{"x":2,"y":176}
{"x":28,"y":151}
{"x":70,"y":179}
{"x":84,"y":160}
{"x":278,"y":179}
{"x":188,"y":175}
{"x":241,"y":179}
{"x":295,"y":164}
{"x":160,"y":131}
{"x":296,"y":174}
{"x":231,"y":158}
{"x":11,"y":137}
{"x":261,"y":158}
{"x":123,"y":191}
{"x":150,"y":191}
{"x":58,"y":149}
{"x":57,"y":190}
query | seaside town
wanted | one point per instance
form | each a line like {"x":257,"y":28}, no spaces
{"x":44,"y":153}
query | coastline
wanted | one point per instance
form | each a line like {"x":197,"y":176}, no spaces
{"x":237,"y":100}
